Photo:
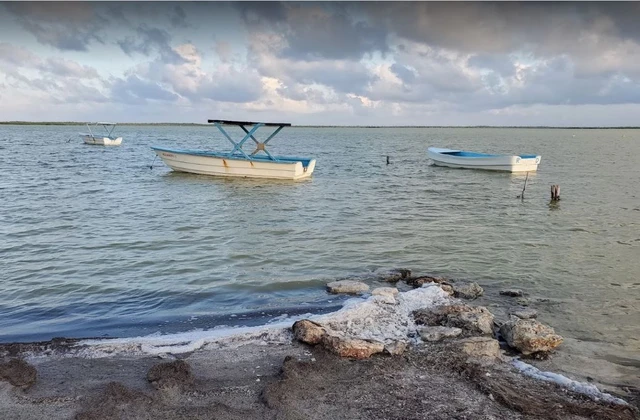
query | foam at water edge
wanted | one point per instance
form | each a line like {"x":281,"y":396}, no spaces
{"x":580,"y":387}
{"x":373,"y":317}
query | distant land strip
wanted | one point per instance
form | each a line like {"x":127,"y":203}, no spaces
{"x":333,"y":126}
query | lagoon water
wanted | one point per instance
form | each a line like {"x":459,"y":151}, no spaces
{"x":95,"y":243}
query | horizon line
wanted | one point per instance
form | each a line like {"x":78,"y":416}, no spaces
{"x":331,"y":125}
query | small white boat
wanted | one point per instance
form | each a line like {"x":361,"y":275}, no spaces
{"x":92,"y":137}
{"x":473,"y":160}
{"x":237,"y":163}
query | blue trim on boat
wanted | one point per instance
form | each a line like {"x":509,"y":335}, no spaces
{"x":465,"y":154}
{"x":280,"y":159}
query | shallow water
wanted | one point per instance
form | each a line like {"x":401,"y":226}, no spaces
{"x":95,"y":243}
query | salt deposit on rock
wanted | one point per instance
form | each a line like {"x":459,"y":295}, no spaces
{"x":370,"y":319}
{"x":385,"y":295}
{"x":529,"y":336}
{"x":347,"y":286}
{"x":438,"y":333}
{"x":468,"y":291}
{"x":580,"y":387}
{"x":385,"y":291}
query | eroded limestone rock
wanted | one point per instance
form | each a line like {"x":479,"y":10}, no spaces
{"x":529,"y":336}
{"x":482,"y":347}
{"x":468,"y":291}
{"x":308,"y":332}
{"x":347,"y":286}
{"x":354,"y":348}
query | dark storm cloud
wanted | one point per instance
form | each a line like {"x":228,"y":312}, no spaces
{"x":65,"y":26}
{"x":316,"y":30}
{"x":149,"y":40}
{"x":178,"y":17}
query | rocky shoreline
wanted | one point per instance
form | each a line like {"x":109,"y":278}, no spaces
{"x":425,"y":352}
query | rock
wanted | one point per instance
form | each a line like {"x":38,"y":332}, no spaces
{"x":397,"y":274}
{"x":477,"y":321}
{"x":419,"y":281}
{"x":347,"y":286}
{"x":351,"y":347}
{"x":529,"y":336}
{"x":525,"y":313}
{"x":308,"y":331}
{"x":18,"y":373}
{"x":447,"y":288}
{"x":473,"y":320}
{"x":468,"y":291}
{"x":385,"y":291}
{"x":170,"y":374}
{"x":438,"y":333}
{"x":385,"y":295}
{"x":512,"y":292}
{"x":396,"y":348}
{"x":480,"y":347}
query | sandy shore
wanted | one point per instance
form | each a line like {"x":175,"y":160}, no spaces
{"x":294,"y":381}
{"x":266,"y":374}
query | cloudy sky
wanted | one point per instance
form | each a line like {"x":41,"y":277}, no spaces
{"x":322,"y":63}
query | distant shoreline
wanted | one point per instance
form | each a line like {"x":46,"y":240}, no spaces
{"x":69,"y":123}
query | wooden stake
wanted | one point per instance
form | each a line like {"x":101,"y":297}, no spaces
{"x":555,"y":192}
{"x":524,"y":187}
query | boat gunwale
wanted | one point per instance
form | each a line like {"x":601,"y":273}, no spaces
{"x":305,"y":161}
{"x":449,"y":153}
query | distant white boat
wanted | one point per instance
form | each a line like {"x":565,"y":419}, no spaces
{"x":237,"y":163}
{"x":93,"y":137}
{"x":473,"y":160}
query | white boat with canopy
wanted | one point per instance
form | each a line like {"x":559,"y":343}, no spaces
{"x":237,"y":163}
{"x":474,"y":160}
{"x":107,"y":139}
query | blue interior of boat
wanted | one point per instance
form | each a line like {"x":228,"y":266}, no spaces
{"x":287,"y":159}
{"x":461,"y":153}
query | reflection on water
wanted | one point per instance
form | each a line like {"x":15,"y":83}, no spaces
{"x":95,"y":242}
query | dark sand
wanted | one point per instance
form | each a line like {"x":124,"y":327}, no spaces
{"x":292,"y":381}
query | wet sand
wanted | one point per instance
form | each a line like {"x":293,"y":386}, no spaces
{"x":293,"y":381}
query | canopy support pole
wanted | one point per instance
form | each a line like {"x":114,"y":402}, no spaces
{"x":237,"y":146}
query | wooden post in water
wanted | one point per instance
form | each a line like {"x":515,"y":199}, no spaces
{"x":388,"y":160}
{"x":555,"y":192}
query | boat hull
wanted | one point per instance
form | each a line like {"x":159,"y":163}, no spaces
{"x":204,"y":163}
{"x":526,"y":163}
{"x":102,"y":141}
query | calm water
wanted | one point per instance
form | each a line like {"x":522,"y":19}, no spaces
{"x":95,"y":243}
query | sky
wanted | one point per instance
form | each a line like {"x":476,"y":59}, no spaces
{"x":330,"y":63}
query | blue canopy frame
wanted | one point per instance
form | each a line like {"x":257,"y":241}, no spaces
{"x":249,"y":134}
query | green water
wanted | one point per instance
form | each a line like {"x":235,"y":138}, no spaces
{"x":95,"y":243}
